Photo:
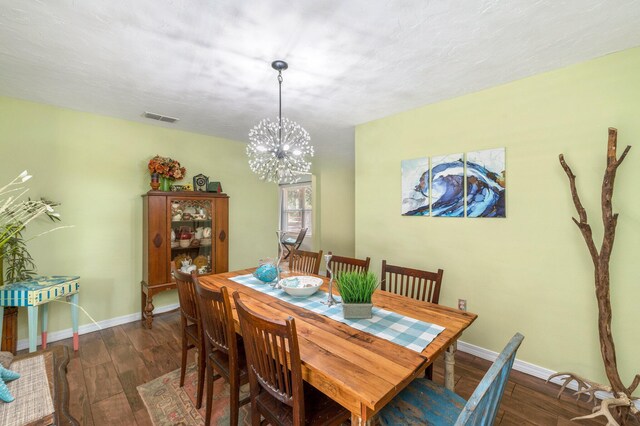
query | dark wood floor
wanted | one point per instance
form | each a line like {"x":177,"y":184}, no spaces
{"x":111,"y":363}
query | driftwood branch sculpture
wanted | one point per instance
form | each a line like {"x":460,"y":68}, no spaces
{"x":622,"y":402}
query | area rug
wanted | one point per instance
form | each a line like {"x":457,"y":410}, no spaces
{"x":33,"y":396}
{"x":168,"y":404}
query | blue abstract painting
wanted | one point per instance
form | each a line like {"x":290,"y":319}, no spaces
{"x":447,"y":186}
{"x":415,"y":187}
{"x":486,"y":187}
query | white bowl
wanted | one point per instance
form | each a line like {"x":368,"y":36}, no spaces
{"x":302,"y":286}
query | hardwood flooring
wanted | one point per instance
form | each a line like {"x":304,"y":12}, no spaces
{"x":104,"y":373}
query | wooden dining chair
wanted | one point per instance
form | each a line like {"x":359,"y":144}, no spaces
{"x":339,"y":264}
{"x":414,"y":283}
{"x":291,"y":244}
{"x":305,"y":261}
{"x":424,"y":402}
{"x":278,"y":392}
{"x":192,"y":335}
{"x":224,"y":348}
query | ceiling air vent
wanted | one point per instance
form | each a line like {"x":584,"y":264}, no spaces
{"x":154,"y":116}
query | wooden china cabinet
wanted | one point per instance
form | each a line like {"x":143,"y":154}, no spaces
{"x":181,"y":228}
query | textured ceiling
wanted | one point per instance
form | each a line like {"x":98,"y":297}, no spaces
{"x":208,"y":62}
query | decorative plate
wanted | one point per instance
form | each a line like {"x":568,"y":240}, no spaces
{"x":177,"y":261}
{"x":200,"y":261}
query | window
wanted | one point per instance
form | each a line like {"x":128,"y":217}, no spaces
{"x":297,"y":212}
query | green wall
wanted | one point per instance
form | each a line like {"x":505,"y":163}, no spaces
{"x":335,"y":190}
{"x":96,"y":166}
{"x":530,"y":272}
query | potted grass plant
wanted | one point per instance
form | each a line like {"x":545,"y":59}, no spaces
{"x":356,"y":289}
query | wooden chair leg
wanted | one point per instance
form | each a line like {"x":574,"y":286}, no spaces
{"x":255,"y":417}
{"x":202,"y":359}
{"x":234,"y":396}
{"x":286,"y":247}
{"x":183,"y":365}
{"x":207,"y":417}
{"x":255,"y":414}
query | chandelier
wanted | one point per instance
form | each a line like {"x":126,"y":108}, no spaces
{"x":278,"y":150}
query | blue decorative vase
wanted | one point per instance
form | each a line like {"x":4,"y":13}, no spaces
{"x":266,"y":272}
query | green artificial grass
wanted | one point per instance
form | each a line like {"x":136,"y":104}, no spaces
{"x":356,"y":287}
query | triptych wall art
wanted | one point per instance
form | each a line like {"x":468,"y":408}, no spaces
{"x":455,"y":185}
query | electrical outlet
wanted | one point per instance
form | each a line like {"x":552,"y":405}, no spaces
{"x":462,"y":304}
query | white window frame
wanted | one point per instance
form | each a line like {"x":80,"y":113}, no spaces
{"x":284,"y":210}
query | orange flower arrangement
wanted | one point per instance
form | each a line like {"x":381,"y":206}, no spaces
{"x":166,"y":167}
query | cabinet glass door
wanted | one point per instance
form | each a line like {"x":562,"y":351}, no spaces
{"x":191,"y":225}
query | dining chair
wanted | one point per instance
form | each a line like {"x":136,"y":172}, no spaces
{"x":291,"y":244}
{"x":339,"y":264}
{"x":424,"y":402}
{"x":278,"y":392}
{"x":414,"y":283}
{"x":224,"y":348}
{"x":305,"y":261}
{"x":192,"y":335}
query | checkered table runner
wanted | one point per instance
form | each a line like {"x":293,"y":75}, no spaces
{"x":405,"y":331}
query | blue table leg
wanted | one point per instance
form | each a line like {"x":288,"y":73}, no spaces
{"x":33,"y":327}
{"x":45,"y":321}
{"x":1,"y":318}
{"x":74,"y":320}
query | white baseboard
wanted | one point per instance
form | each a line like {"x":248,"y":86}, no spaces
{"x":88,"y":328}
{"x":518,"y":365}
{"x":525,"y":367}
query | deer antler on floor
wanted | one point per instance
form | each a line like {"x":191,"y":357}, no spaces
{"x":604,"y":409}
{"x":585,"y":387}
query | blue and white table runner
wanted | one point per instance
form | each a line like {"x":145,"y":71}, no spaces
{"x":405,"y":331}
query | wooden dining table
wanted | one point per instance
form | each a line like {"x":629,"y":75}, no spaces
{"x":358,"y":370}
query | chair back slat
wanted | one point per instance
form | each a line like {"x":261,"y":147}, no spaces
{"x":187,"y":296}
{"x":300,"y":237}
{"x":340,"y":264}
{"x":482,"y":406}
{"x":305,"y":261}
{"x":413,"y":283}
{"x":273,"y":356}
{"x":217,"y":319}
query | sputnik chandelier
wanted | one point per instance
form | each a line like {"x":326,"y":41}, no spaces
{"x":278,"y":150}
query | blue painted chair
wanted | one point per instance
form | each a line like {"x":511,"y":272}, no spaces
{"x":424,"y":402}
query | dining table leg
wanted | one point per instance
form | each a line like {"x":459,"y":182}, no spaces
{"x":365,"y":418}
{"x":449,"y":366}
